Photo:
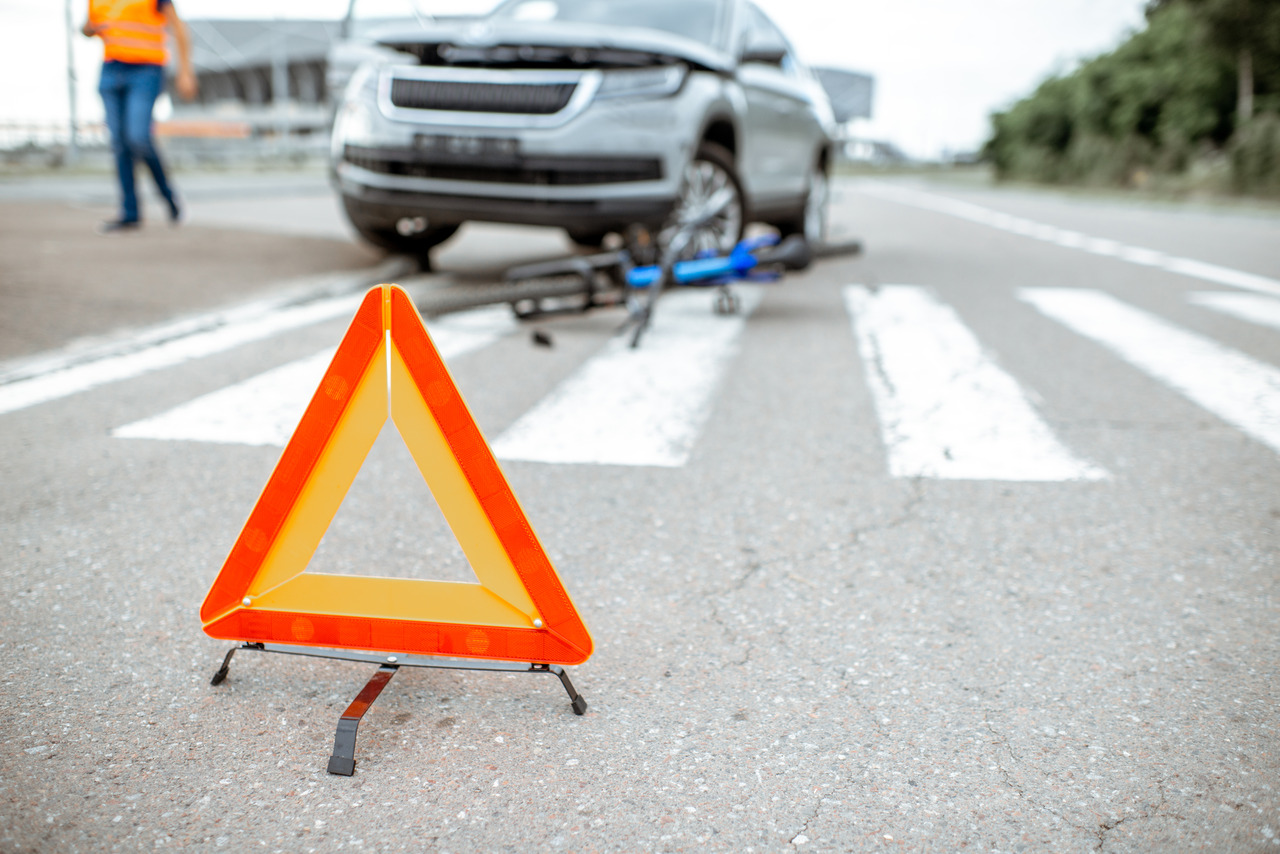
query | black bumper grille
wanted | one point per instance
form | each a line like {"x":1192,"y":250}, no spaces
{"x":544,"y":171}
{"x":538,"y":99}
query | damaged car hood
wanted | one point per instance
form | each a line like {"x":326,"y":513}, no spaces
{"x":510,"y":44}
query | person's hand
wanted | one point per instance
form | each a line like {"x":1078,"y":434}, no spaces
{"x":186,"y":84}
{"x":91,"y":29}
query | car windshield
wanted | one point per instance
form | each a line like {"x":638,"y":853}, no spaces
{"x":692,"y":19}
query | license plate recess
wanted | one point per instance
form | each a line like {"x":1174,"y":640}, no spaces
{"x":460,"y":147}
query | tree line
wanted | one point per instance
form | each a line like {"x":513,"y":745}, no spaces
{"x":1192,"y":100}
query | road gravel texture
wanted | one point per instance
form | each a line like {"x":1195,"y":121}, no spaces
{"x":794,"y":651}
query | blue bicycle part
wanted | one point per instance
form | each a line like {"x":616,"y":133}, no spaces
{"x":791,"y":254}
{"x":706,"y":271}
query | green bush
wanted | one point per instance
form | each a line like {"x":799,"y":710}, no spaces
{"x":1159,"y":110}
{"x":1255,"y":156}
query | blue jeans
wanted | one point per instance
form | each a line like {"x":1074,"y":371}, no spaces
{"x":129,"y":91}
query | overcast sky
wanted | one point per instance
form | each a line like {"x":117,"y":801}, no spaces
{"x":941,"y":66}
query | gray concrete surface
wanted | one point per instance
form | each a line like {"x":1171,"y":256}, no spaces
{"x":794,"y":651}
{"x":60,"y":281}
{"x":244,"y":235}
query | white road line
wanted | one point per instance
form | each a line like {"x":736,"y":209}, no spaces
{"x":1074,"y":239}
{"x":264,"y":410}
{"x":1255,"y":309}
{"x":304,"y":290}
{"x":1239,"y":390}
{"x":641,"y":407}
{"x":946,"y":409}
{"x":76,"y":378}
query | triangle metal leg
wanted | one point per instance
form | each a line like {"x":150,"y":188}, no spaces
{"x":343,"y":760}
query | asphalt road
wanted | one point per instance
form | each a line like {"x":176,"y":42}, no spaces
{"x":979,"y":554}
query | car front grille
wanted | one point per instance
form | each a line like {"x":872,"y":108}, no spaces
{"x":539,"y":99}
{"x":544,"y":171}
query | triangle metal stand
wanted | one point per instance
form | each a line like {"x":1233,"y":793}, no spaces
{"x":343,"y":760}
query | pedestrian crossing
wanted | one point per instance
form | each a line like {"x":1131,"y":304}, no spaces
{"x":263,"y":410}
{"x":1238,"y":389}
{"x":1264,"y":311}
{"x":946,"y":406}
{"x":947,"y":409}
{"x":637,"y":407}
{"x":227,"y":330}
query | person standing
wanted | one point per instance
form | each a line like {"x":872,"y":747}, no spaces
{"x":133,"y":34}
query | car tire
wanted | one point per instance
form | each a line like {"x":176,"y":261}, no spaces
{"x":418,"y":244}
{"x":379,"y":227}
{"x":710,"y":173}
{"x":813,"y":218}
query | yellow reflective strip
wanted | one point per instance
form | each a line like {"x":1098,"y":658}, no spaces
{"x":136,"y":44}
{"x":318,"y":500}
{"x":150,"y":44}
{"x":452,"y":491}
{"x":141,"y":30}
{"x":413,"y":599}
{"x":137,"y":24}
{"x":145,"y":29}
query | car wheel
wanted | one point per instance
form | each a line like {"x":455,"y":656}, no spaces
{"x":711,"y":203}
{"x":412,"y":244}
{"x":407,"y":236}
{"x":812,"y":221}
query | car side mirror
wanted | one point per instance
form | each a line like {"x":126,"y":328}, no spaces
{"x":764,"y":54}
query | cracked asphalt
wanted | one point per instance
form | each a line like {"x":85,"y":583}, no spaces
{"x":794,"y":650}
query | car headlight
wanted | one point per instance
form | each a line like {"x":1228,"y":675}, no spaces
{"x":354,"y":121}
{"x":364,"y":77}
{"x":642,"y":82}
{"x":353,"y":125}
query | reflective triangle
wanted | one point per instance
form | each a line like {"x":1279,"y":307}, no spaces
{"x":386,"y":367}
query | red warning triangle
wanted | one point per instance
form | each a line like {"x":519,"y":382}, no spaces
{"x":386,"y":367}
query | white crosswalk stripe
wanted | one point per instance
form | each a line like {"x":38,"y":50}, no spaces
{"x":1238,"y":389}
{"x":257,"y":326}
{"x":637,"y":407}
{"x":1254,"y":308}
{"x":946,"y":409}
{"x":264,"y":410}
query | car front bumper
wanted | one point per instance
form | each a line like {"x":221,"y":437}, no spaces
{"x":608,"y":166}
{"x":380,"y":208}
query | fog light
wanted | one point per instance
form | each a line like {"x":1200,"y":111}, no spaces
{"x":410,"y":225}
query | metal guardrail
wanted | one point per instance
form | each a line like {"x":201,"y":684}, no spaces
{"x":17,"y":135}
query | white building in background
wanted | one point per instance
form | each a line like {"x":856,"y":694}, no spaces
{"x":264,"y":85}
{"x":259,"y":80}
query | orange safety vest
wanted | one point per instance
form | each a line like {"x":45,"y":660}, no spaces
{"x":134,"y":30}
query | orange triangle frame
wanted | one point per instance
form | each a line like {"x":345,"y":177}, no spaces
{"x":386,"y":367}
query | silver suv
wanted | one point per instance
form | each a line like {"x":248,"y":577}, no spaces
{"x":591,"y":115}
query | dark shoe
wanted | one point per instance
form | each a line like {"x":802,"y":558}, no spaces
{"x":175,"y":212}
{"x":117,"y":226}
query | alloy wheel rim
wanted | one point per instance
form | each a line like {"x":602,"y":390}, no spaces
{"x":815,"y":208}
{"x":708,"y":196}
